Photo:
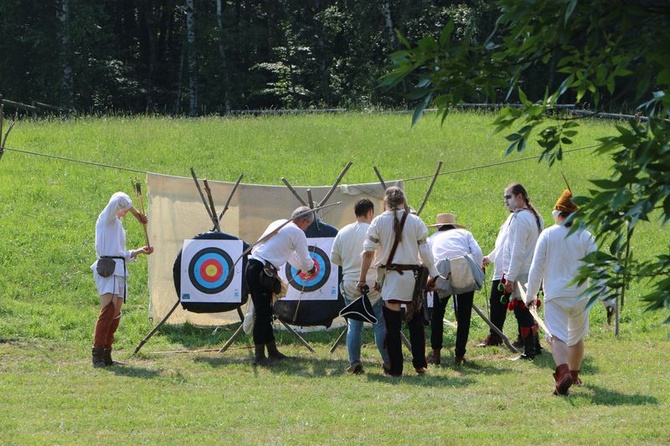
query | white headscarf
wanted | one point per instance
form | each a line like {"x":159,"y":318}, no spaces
{"x":118,"y":202}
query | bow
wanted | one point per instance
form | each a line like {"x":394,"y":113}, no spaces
{"x":276,"y":230}
{"x":137,"y":187}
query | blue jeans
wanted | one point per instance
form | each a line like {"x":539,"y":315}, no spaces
{"x":355,"y":334}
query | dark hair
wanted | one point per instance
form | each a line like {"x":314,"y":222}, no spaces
{"x":516,"y":189}
{"x":394,"y":197}
{"x":362,"y":207}
{"x":446,"y":227}
{"x":564,"y":215}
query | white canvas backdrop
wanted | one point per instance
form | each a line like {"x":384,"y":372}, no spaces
{"x":176,"y":213}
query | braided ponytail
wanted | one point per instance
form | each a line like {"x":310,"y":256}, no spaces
{"x":517,"y":188}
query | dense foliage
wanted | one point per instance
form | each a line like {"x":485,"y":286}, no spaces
{"x":203,"y":57}
{"x":595,"y":52}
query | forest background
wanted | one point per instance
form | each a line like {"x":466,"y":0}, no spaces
{"x":197,"y":57}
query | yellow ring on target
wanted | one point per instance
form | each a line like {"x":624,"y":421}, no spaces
{"x":211,"y":270}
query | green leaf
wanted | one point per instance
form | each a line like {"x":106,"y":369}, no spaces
{"x":568,"y":11}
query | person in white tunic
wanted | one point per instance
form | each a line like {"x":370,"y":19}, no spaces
{"x":517,"y":254}
{"x":555,"y":265}
{"x":283,"y":241}
{"x":347,"y":251}
{"x":398,"y":285}
{"x":497,"y":299}
{"x":110,"y":242}
{"x":452,"y":240}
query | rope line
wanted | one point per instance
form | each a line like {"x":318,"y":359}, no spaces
{"x":466,"y":169}
{"x":62,"y":158}
{"x":485,"y":166}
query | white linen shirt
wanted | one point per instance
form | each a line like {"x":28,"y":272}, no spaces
{"x":519,"y":245}
{"x":347,"y":251}
{"x":495,"y":255}
{"x":110,"y":237}
{"x":287,"y":245}
{"x":557,"y":261}
{"x":411,"y":250}
{"x":453,"y":243}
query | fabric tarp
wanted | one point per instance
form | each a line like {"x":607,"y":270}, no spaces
{"x":176,"y":212}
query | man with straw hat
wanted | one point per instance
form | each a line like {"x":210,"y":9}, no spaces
{"x":449,"y":242}
{"x":347,"y":252}
{"x":556,"y":262}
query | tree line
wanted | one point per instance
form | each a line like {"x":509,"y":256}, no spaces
{"x":196,"y":57}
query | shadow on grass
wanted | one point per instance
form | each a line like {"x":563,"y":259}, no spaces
{"x":132,"y":372}
{"x":192,"y":337}
{"x":607,"y":397}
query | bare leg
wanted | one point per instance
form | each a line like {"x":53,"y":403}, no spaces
{"x":560,"y":351}
{"x":576,"y":355}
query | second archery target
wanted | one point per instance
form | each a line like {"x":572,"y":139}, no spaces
{"x":321,"y":286}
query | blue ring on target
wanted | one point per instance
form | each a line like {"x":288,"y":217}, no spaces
{"x":322,"y":263}
{"x":211,"y":270}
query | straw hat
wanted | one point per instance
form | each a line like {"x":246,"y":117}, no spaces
{"x":444,"y":220}
{"x":565,"y":204}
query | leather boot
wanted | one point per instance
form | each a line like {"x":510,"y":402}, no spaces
{"x":574,"y":374}
{"x":273,"y":353}
{"x":528,"y":343}
{"x":259,"y":357}
{"x":491,"y":340}
{"x":107,"y":357}
{"x":97,"y":360}
{"x":563,"y":379}
{"x":434,"y":357}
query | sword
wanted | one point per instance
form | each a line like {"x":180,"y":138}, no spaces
{"x":533,"y":312}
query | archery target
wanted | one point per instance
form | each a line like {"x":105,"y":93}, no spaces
{"x":208,"y":271}
{"x":323,"y":284}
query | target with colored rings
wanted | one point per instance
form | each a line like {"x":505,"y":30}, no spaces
{"x":320,"y":277}
{"x":211,"y":270}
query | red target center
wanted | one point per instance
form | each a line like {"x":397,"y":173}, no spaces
{"x":211,"y":270}
{"x":317,"y":268}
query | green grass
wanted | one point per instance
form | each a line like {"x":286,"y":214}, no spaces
{"x":48,"y":302}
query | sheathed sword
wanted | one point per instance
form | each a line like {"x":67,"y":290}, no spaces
{"x":533,"y":312}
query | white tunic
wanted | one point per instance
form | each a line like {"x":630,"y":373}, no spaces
{"x":495,"y":255}
{"x":519,"y":245}
{"x":110,"y":240}
{"x":453,"y":243}
{"x":557,"y":260}
{"x":347,"y":251}
{"x":287,"y":245}
{"x":412,"y":250}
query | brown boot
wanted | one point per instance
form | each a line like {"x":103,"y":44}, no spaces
{"x":107,"y":357}
{"x":260,"y":358}
{"x":574,"y":374}
{"x":491,"y":340}
{"x":97,"y":360}
{"x":434,"y":357}
{"x":528,"y":343}
{"x":563,"y":379}
{"x":273,"y":353}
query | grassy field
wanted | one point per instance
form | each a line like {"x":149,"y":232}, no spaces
{"x":48,"y":301}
